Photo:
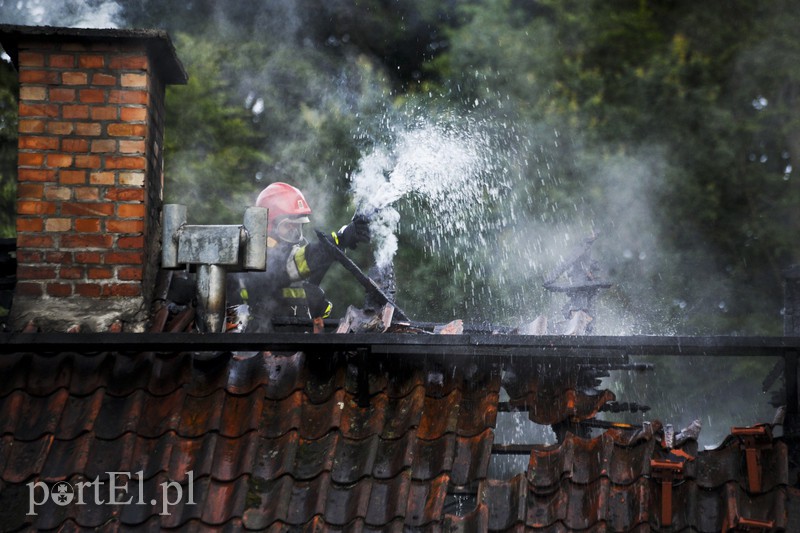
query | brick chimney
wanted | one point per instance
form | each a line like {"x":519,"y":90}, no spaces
{"x":89,"y":192}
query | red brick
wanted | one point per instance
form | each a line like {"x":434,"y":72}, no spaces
{"x":28,"y":289}
{"x":131,"y":147}
{"x":28,"y":159}
{"x":29,"y":256}
{"x":127,"y":130}
{"x":92,"y":96}
{"x":87,"y":194}
{"x":60,"y":128}
{"x":104,"y":112}
{"x":75,"y":111}
{"x":31,"y":59}
{"x":131,"y":243}
{"x":137,"y":62}
{"x":36,"y":272}
{"x":128,"y":97}
{"x":58,"y":94}
{"x":104,"y":145}
{"x":74,"y":145}
{"x":71,"y":272}
{"x":126,"y":162}
{"x":25,"y":240}
{"x":91,"y":209}
{"x":100,"y":273}
{"x":125,"y":226}
{"x":124,"y":258}
{"x":102,"y":178}
{"x":87,"y":225}
{"x":91,"y":61}
{"x":130,"y":210}
{"x":31,"y":126}
{"x":30,"y":190}
{"x":31,"y":207}
{"x":59,"y":160}
{"x":31,"y":92}
{"x":35,"y":142}
{"x":59,"y":258}
{"x":32,"y":174}
{"x":88,"y":290}
{"x":84,"y":242}
{"x":50,"y":77}
{"x":59,"y":289}
{"x":74,"y":78}
{"x":72,"y":177}
{"x":88,"y":258}
{"x":133,"y":114}
{"x":130,"y":274}
{"x":57,"y":224}
{"x":61,"y":61}
{"x":38,"y":110}
{"x":122,"y":289}
{"x":88,"y":128}
{"x":134,"y":80}
{"x":125,"y":194}
{"x":58,"y":193}
{"x":87,"y":161}
{"x":30,"y":224}
{"x":103,"y":79}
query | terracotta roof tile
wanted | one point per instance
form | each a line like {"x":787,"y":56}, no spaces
{"x":319,"y":443}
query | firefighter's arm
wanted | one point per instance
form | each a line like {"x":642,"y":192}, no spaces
{"x":308,"y":262}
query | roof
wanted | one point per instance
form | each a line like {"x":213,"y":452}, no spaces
{"x":331,"y":440}
{"x":157,"y":42}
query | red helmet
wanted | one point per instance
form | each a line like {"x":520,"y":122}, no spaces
{"x":283,"y":200}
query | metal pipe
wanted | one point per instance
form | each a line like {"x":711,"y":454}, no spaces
{"x":211,"y":298}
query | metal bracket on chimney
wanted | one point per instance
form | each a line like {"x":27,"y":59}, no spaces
{"x":214,"y":250}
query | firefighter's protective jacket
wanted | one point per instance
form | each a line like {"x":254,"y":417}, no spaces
{"x":288,"y":287}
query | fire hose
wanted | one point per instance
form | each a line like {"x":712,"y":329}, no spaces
{"x":369,"y":285}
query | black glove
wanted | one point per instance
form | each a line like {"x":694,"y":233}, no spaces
{"x":355,"y":232}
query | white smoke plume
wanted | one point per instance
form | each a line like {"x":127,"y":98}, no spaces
{"x":65,"y":13}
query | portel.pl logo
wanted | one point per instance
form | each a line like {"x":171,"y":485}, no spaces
{"x":114,"y":491}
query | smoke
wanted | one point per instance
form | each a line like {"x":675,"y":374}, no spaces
{"x":66,"y":13}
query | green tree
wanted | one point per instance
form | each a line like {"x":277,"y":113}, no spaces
{"x":8,"y":149}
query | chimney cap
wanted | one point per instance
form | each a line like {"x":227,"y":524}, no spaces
{"x":157,"y":42}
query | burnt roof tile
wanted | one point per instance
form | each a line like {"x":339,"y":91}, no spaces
{"x":359,"y":422}
{"x":476,"y":521}
{"x":23,"y":458}
{"x":439,"y":416}
{"x":506,"y":501}
{"x":472,"y":457}
{"x":200,"y":415}
{"x":346,"y":503}
{"x":426,"y":501}
{"x":119,"y":415}
{"x":567,"y":404}
{"x":433,"y":457}
{"x":394,"y":456}
{"x":388,"y":500}
{"x":275,"y":456}
{"x":267,"y":501}
{"x":79,"y":414}
{"x":31,"y":417}
{"x":354,"y":459}
{"x":312,"y":421}
{"x":403,"y":413}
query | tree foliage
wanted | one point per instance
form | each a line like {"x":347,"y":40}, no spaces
{"x":672,"y":128}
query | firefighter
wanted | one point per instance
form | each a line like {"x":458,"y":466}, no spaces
{"x":295,"y":266}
